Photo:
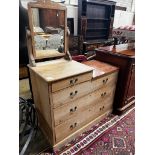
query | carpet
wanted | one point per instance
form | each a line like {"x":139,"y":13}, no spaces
{"x":114,"y":135}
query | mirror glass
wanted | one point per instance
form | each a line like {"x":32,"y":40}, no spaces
{"x":48,"y":31}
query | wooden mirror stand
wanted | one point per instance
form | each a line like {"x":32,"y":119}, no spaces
{"x":56,"y":19}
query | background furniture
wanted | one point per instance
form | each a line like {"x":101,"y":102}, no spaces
{"x":123,"y":58}
{"x":74,"y":45}
{"x":124,"y":34}
{"x":95,"y":21}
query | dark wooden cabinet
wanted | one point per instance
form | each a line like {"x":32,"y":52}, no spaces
{"x":95,"y":19}
{"x":123,"y":58}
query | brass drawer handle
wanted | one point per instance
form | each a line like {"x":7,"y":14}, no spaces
{"x":75,"y":80}
{"x":105,"y":80}
{"x":73,"y":94}
{"x":71,"y":82}
{"x":126,"y":102}
{"x":101,"y":108}
{"x":73,"y":109}
{"x":73,"y":126}
{"x":103,"y":94}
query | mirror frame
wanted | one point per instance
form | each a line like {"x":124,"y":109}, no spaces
{"x":46,"y":4}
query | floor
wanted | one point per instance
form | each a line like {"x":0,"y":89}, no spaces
{"x":24,"y":88}
{"x":38,"y":142}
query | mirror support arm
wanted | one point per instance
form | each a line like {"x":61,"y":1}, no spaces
{"x":68,"y":55}
{"x":29,"y":46}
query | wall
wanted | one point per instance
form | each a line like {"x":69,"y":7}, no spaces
{"x":123,"y":18}
{"x":72,"y":10}
{"x":125,"y":3}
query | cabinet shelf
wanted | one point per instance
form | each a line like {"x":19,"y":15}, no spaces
{"x":95,"y":20}
{"x":93,"y":37}
{"x":98,"y":19}
{"x":90,"y":29}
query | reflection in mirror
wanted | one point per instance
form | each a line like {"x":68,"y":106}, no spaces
{"x":48,"y":28}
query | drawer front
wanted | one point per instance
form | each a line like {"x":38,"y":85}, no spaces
{"x":69,"y":94}
{"x":102,"y":107}
{"x":71,"y":81}
{"x":83,"y":118}
{"x":75,"y":107}
{"x":108,"y":80}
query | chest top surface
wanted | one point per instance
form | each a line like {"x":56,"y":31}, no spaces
{"x":59,"y":69}
{"x":121,"y":50}
{"x":100,"y":68}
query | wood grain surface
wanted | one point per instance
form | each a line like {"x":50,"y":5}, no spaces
{"x":100,"y":68}
{"x":57,"y":70}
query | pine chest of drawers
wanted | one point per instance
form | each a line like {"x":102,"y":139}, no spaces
{"x":70,"y":97}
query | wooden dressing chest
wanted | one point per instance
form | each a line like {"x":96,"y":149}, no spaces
{"x":69,"y":96}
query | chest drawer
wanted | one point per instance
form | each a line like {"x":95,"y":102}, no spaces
{"x":108,"y":80}
{"x":71,"y":93}
{"x":81,"y":119}
{"x":71,"y":81}
{"x":65,"y":112}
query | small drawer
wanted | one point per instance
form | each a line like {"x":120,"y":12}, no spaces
{"x":103,"y":107}
{"x":67,"y":111}
{"x":70,"y":126}
{"x":71,"y":93}
{"x":73,"y":108}
{"x":108,"y":80}
{"x":71,"y":81}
